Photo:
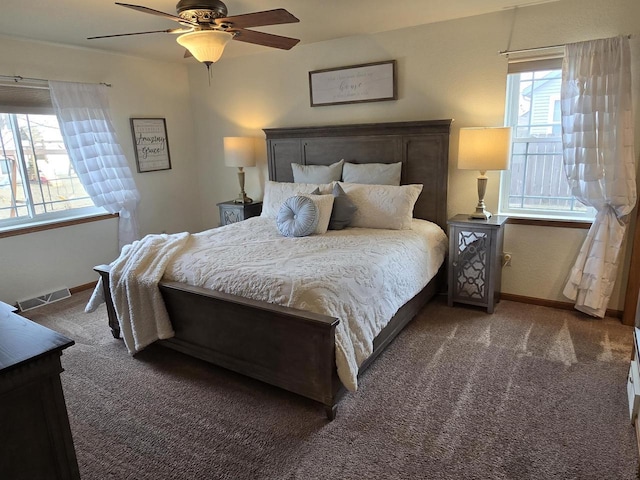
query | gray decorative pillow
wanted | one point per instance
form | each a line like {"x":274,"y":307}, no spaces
{"x":372,"y":173}
{"x":343,"y":208}
{"x":317,"y":173}
{"x":298,"y":217}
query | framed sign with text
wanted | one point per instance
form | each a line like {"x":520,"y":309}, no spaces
{"x":151,"y":144}
{"x":370,"y":82}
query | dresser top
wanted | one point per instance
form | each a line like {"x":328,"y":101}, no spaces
{"x":22,"y":340}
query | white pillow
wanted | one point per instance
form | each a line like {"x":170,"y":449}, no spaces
{"x":325,"y":206}
{"x":372,"y":173}
{"x":317,"y":173}
{"x":382,"y":206}
{"x":275,"y":193}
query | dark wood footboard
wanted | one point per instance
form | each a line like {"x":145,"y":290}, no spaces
{"x":285,"y":347}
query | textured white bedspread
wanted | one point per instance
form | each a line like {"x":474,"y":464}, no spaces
{"x":360,"y":276}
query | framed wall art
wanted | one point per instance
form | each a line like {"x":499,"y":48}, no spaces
{"x":369,"y":82}
{"x":151,"y":144}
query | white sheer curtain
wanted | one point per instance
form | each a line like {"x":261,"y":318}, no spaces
{"x":83,"y":113}
{"x":597,"y":136}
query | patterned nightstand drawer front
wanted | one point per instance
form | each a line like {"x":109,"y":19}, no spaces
{"x":231,"y":216}
{"x":471,"y":279}
{"x":231,"y":212}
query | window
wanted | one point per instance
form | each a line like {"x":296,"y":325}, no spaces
{"x":37,"y":180}
{"x":535,"y":184}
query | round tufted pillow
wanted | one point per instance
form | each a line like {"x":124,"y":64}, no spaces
{"x":298,"y":217}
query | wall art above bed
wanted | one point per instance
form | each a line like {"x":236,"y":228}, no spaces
{"x":369,"y":82}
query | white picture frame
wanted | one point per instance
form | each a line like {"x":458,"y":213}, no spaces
{"x":369,"y":82}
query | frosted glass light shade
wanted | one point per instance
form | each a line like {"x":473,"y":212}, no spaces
{"x":205,"y":45}
{"x":239,"y":152}
{"x":486,"y":148}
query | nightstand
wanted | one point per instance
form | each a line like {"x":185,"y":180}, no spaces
{"x":475,"y":260}
{"x":231,"y":212}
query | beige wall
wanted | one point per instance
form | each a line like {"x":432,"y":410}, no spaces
{"x":41,"y":262}
{"x":445,"y":70}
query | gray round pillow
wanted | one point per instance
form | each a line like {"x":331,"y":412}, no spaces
{"x":298,"y":217}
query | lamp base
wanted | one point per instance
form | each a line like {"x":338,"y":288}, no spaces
{"x":243,"y":199}
{"x":480,"y":214}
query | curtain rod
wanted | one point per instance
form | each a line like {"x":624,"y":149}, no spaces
{"x":532,"y":49}
{"x":18,"y":78}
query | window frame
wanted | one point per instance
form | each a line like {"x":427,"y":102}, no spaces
{"x":35,"y":100}
{"x":511,"y":119}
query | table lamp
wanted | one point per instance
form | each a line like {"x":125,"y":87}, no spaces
{"x":484,"y":148}
{"x":240,"y":152}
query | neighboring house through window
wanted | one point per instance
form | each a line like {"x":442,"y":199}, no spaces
{"x":535,"y":184}
{"x":37,"y":180}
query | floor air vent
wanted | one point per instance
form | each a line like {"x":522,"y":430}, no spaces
{"x":44,"y":299}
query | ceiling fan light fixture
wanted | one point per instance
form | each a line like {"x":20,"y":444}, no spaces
{"x":205,"y":45}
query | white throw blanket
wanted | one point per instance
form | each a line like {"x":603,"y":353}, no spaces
{"x":133,"y":282}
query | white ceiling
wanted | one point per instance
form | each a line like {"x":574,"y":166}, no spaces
{"x":69,"y":22}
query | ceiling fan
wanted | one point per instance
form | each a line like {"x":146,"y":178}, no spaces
{"x":206,"y":29}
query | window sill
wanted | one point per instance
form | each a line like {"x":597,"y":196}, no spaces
{"x":549,"y":222}
{"x":39,"y":227}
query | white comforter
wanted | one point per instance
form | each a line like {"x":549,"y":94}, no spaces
{"x":360,"y":276}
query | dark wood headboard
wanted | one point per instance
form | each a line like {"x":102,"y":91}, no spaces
{"x":422,"y":147}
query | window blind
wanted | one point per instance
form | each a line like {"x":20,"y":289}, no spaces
{"x":25,"y":99}
{"x":519,"y":65}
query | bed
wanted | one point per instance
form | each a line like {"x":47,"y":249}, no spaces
{"x":292,"y":348}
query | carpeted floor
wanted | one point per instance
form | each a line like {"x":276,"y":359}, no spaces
{"x":526,"y":393}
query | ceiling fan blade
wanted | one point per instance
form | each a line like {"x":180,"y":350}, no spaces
{"x":261,"y":38}
{"x":171,"y":30}
{"x":142,"y":9}
{"x":259,"y":19}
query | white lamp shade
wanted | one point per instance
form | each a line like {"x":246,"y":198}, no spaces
{"x":239,"y":152}
{"x":486,"y":148}
{"x":205,"y":45}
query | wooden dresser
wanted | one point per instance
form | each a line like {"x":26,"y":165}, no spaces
{"x":36,"y":440}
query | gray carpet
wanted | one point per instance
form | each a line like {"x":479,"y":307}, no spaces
{"x":526,"y":393}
